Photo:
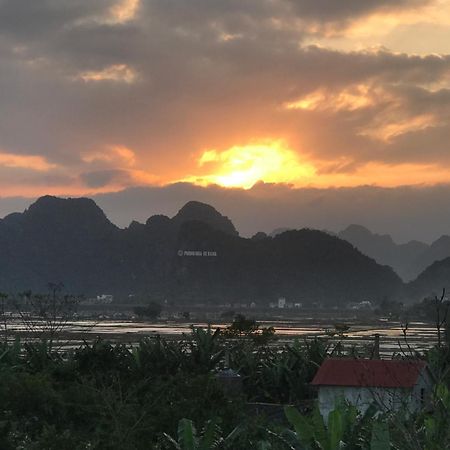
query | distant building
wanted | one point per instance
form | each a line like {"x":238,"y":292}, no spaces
{"x":240,"y":305}
{"x":281,"y":303}
{"x":298,"y":305}
{"x":224,"y":305}
{"x":390,"y":384}
{"x":364,"y":305}
{"x":103,"y":299}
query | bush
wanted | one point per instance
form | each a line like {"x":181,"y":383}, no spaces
{"x":151,"y":311}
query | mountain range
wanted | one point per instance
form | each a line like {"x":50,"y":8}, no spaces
{"x":408,"y":260}
{"x":195,"y":256}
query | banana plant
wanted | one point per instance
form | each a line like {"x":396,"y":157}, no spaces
{"x":210,"y":439}
{"x":205,"y":348}
{"x":345,"y":429}
{"x":437,"y":425}
{"x":158,"y":356}
{"x":380,"y":436}
{"x":10,"y":354}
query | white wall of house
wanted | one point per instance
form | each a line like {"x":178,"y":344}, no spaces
{"x":422,"y":391}
{"x":361,"y":397}
{"x":387,"y":399}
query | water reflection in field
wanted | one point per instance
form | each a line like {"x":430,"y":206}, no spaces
{"x":420,"y":336}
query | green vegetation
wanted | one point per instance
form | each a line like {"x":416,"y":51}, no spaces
{"x":164,"y":394}
{"x":210,"y":438}
{"x":107,"y":396}
{"x":243,"y":327}
{"x":345,"y":426}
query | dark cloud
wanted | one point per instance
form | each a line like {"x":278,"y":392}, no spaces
{"x":101,"y":178}
{"x":27,"y":177}
{"x":30,"y":20}
{"x":322,"y":10}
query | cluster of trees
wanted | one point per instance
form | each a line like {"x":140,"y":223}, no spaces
{"x":151,"y":311}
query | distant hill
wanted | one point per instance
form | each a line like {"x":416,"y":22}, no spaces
{"x":280,"y":230}
{"x":425,"y":267}
{"x":195,"y":256}
{"x":59,"y":240}
{"x":431,"y":281}
{"x":403,"y":258}
{"x":438,"y":250}
{"x":408,"y":260}
{"x":206,"y":214}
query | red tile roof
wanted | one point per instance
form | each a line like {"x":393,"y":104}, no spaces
{"x":369,"y":373}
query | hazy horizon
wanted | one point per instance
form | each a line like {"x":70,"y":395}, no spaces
{"x":266,"y":207}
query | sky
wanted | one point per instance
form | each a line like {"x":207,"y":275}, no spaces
{"x":110,"y":97}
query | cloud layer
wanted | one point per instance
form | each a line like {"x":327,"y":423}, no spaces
{"x":105,"y":95}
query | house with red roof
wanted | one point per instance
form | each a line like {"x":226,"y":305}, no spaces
{"x":390,"y":384}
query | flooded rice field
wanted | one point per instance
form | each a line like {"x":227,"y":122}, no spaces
{"x":419,"y":336}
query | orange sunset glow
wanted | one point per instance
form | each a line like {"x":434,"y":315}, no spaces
{"x":243,"y":166}
{"x":131,"y":93}
{"x":274,"y":162}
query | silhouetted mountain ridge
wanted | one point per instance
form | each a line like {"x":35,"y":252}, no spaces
{"x":431,"y":281}
{"x":204,"y":213}
{"x":196,"y":256}
{"x":408,"y":260}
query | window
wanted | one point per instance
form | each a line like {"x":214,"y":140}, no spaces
{"x":422,"y":396}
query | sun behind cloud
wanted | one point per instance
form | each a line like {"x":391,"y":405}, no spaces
{"x":243,"y":166}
